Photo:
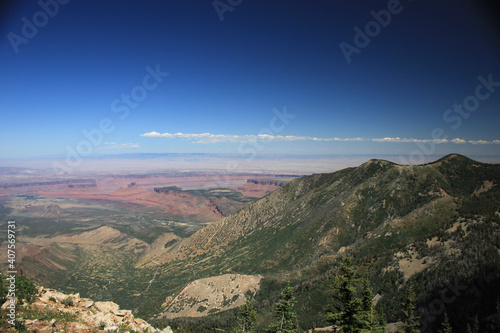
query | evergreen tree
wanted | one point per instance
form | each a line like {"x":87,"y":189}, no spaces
{"x":475,"y":326}
{"x":350,"y":317}
{"x":371,"y":321}
{"x":366,"y":296}
{"x":445,"y":325}
{"x":410,"y":322}
{"x":247,"y":319}
{"x":284,"y":313}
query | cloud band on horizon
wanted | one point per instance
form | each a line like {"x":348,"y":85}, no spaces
{"x":219,"y":138}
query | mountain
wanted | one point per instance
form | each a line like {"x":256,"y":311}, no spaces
{"x":320,"y":214}
{"x":401,"y":223}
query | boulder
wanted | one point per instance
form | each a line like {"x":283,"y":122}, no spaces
{"x":51,"y":293}
{"x":393,"y":327}
{"x":100,"y":317}
{"x":107,"y":307}
{"x":86,"y":304}
{"x":140,"y":321}
{"x":122,"y":313}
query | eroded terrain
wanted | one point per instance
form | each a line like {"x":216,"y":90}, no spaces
{"x":105,"y":235}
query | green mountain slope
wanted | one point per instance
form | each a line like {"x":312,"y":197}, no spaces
{"x":319,"y":214}
{"x":400,"y":222}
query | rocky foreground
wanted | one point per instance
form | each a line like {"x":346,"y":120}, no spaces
{"x":79,"y":315}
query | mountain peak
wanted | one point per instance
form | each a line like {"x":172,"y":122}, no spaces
{"x":454,"y":158}
{"x":455,"y":161}
{"x":376,"y":164}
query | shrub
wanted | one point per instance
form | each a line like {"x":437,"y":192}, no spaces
{"x":68,"y":301}
{"x":26,"y":289}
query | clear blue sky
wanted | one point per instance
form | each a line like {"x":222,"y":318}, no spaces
{"x":225,"y":77}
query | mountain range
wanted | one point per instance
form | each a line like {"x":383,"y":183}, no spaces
{"x":434,"y":227}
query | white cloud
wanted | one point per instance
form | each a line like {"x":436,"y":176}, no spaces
{"x":458,"y":141}
{"x":218,"y":138}
{"x":483,"y":142}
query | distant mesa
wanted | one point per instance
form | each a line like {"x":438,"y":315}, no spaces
{"x":259,"y":187}
{"x":168,"y":189}
{"x":55,"y":182}
{"x":84,"y":185}
{"x":266,"y":182}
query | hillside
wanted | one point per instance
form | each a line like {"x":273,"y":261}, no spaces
{"x":402,"y":223}
{"x":324,"y":211}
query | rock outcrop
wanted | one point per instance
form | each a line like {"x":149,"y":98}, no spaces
{"x":89,"y":316}
{"x":52,"y":211}
{"x":211,"y":295}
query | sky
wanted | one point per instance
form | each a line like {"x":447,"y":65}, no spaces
{"x":249,"y":77}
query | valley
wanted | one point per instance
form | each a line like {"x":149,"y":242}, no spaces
{"x":105,"y":236}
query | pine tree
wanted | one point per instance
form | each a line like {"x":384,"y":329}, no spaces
{"x":284,"y":313}
{"x":247,"y":320}
{"x":445,"y":325}
{"x":475,"y":326}
{"x":410,"y":322}
{"x":366,"y":296}
{"x":371,"y":321}
{"x":350,"y":317}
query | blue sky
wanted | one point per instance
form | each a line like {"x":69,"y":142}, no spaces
{"x":229,"y":79}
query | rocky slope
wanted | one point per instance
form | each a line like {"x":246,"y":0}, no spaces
{"x":211,"y":295}
{"x":75,"y":314}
